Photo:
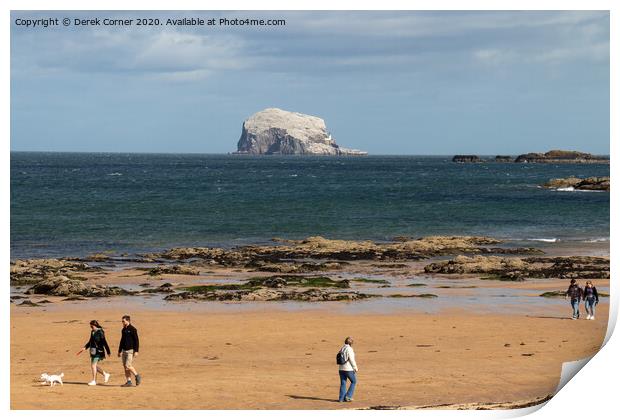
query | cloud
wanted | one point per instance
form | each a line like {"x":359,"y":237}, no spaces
{"x":318,"y":43}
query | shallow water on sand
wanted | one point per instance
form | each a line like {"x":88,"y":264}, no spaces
{"x":473,"y":296}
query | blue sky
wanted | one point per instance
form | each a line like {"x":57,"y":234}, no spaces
{"x":385,"y":82}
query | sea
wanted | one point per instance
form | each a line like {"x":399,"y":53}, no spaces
{"x":76,"y":204}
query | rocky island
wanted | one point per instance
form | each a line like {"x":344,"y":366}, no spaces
{"x":560,"y":156}
{"x":275,"y":131}
{"x":552,"y":156}
{"x":466,"y":159}
{"x":594,"y":183}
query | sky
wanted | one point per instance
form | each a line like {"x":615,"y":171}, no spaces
{"x":413,"y":83}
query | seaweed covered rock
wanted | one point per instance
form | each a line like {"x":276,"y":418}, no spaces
{"x":35,"y":270}
{"x":64,"y":286}
{"x":265,"y":294}
{"x":296,"y":281}
{"x":174,"y":269}
{"x":282,"y":258}
{"x":520,"y":268}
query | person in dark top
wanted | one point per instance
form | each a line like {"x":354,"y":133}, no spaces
{"x":128,"y":350}
{"x":576,"y":294}
{"x":590,"y":299}
{"x":98,"y":347}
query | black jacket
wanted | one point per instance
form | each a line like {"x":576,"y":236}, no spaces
{"x":574,"y":292}
{"x":590,"y":291}
{"x":97,"y":340}
{"x":129,"y":339}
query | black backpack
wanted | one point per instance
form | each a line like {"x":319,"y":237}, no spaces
{"x":340,"y":357}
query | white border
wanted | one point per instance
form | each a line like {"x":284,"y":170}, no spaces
{"x":598,"y":379}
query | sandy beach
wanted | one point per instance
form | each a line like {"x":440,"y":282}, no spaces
{"x":275,"y":359}
{"x":229,"y":335}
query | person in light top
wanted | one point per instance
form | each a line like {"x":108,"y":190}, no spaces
{"x":347,"y":371}
{"x":590,"y":299}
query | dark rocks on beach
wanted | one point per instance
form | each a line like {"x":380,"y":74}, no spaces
{"x":503,"y":158}
{"x":560,"y":156}
{"x":64,"y":286}
{"x":467,"y":159}
{"x":554,"y":294}
{"x":273,"y":288}
{"x":164,"y":288}
{"x":35,"y":270}
{"x":423,"y":295}
{"x":174,"y":269}
{"x":587,"y":184}
{"x":371,"y":281}
{"x":516,"y":269}
{"x":28,"y":303}
{"x":263,"y":294}
{"x":294,"y":267}
{"x":281,"y":258}
{"x":297,"y":281}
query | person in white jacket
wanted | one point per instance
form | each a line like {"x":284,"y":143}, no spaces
{"x":347,"y":370}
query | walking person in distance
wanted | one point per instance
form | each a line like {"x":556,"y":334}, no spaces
{"x":575,"y":293}
{"x":128,"y":350}
{"x":590,"y":299}
{"x":347,"y":369}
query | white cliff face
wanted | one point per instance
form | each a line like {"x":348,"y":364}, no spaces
{"x":275,"y":131}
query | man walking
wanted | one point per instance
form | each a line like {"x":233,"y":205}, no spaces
{"x":128,"y":350}
{"x":575,"y":293}
{"x":347,"y":369}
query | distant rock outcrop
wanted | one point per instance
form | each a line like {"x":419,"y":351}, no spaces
{"x":560,"y":156}
{"x":275,"y":131}
{"x":467,"y":159}
{"x":594,"y":183}
{"x":503,"y":158}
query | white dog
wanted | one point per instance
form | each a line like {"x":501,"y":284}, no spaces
{"x":51,"y":379}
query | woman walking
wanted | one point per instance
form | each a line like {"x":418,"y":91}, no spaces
{"x":590,"y":299}
{"x":347,"y":369}
{"x":98,"y":347}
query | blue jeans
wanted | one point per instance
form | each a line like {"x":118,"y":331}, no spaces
{"x":575,"y":304}
{"x":590,"y":303}
{"x":344,"y":375}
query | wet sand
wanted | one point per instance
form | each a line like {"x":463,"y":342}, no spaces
{"x":273,"y":359}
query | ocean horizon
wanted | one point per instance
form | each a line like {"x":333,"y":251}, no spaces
{"x":486,"y":154}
